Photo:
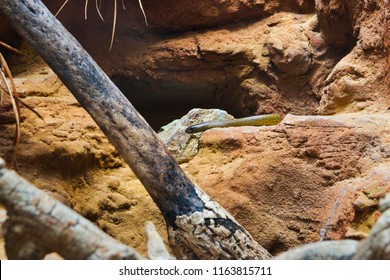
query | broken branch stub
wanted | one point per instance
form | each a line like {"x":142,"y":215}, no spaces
{"x":217,"y":234}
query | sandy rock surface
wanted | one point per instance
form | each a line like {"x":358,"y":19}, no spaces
{"x":269,"y":66}
{"x":184,"y":146}
{"x":305,"y":179}
{"x":299,"y":57}
{"x":68,"y":156}
{"x":309,"y":178}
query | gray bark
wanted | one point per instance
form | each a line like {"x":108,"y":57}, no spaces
{"x":38,"y":224}
{"x":324,"y":250}
{"x":216,"y":234}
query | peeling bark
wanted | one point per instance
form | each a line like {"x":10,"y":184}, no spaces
{"x":213,"y":226}
{"x":175,"y":195}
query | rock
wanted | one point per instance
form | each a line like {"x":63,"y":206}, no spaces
{"x":363,"y":203}
{"x":289,"y":52}
{"x":237,"y":68}
{"x":170,"y":15}
{"x":354,"y":84}
{"x":357,"y":81}
{"x":288,"y":182}
{"x":182,"y":145}
{"x":354,"y":234}
{"x":375,"y":246}
{"x":283,"y":183}
{"x":68,"y":156}
{"x":354,"y":210}
{"x":299,"y":57}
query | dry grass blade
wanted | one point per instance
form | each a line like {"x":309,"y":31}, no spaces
{"x":115,"y":17}
{"x":30,"y":108}
{"x":86,"y":10}
{"x":60,"y":9}
{"x":113,"y":25}
{"x":143,"y":12}
{"x":10,"y":89}
{"x":98,"y":3}
{"x":7,"y":73}
{"x":23,"y":103}
{"x":12,"y":48}
{"x":8,"y":86}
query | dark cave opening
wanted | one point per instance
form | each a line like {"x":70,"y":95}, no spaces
{"x":162,"y":103}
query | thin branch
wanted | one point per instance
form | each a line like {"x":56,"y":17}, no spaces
{"x":12,"y":48}
{"x":86,"y":10}
{"x":98,"y":3}
{"x":60,"y":9}
{"x":143,"y":12}
{"x":11,"y":89}
{"x":113,"y":25}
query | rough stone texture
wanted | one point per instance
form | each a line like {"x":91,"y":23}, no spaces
{"x":246,"y":68}
{"x":286,"y":184}
{"x":300,"y":57}
{"x":290,"y":183}
{"x":361,"y":80}
{"x":171,"y":15}
{"x":377,"y":245}
{"x":182,"y":145}
{"x":68,"y":156}
{"x":38,"y":224}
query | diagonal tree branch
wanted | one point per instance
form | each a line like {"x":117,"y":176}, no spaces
{"x":197,"y":226}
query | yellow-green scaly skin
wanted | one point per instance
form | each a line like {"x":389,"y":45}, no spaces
{"x":260,"y":120}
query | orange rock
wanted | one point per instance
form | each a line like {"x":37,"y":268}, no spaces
{"x":286,"y":183}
